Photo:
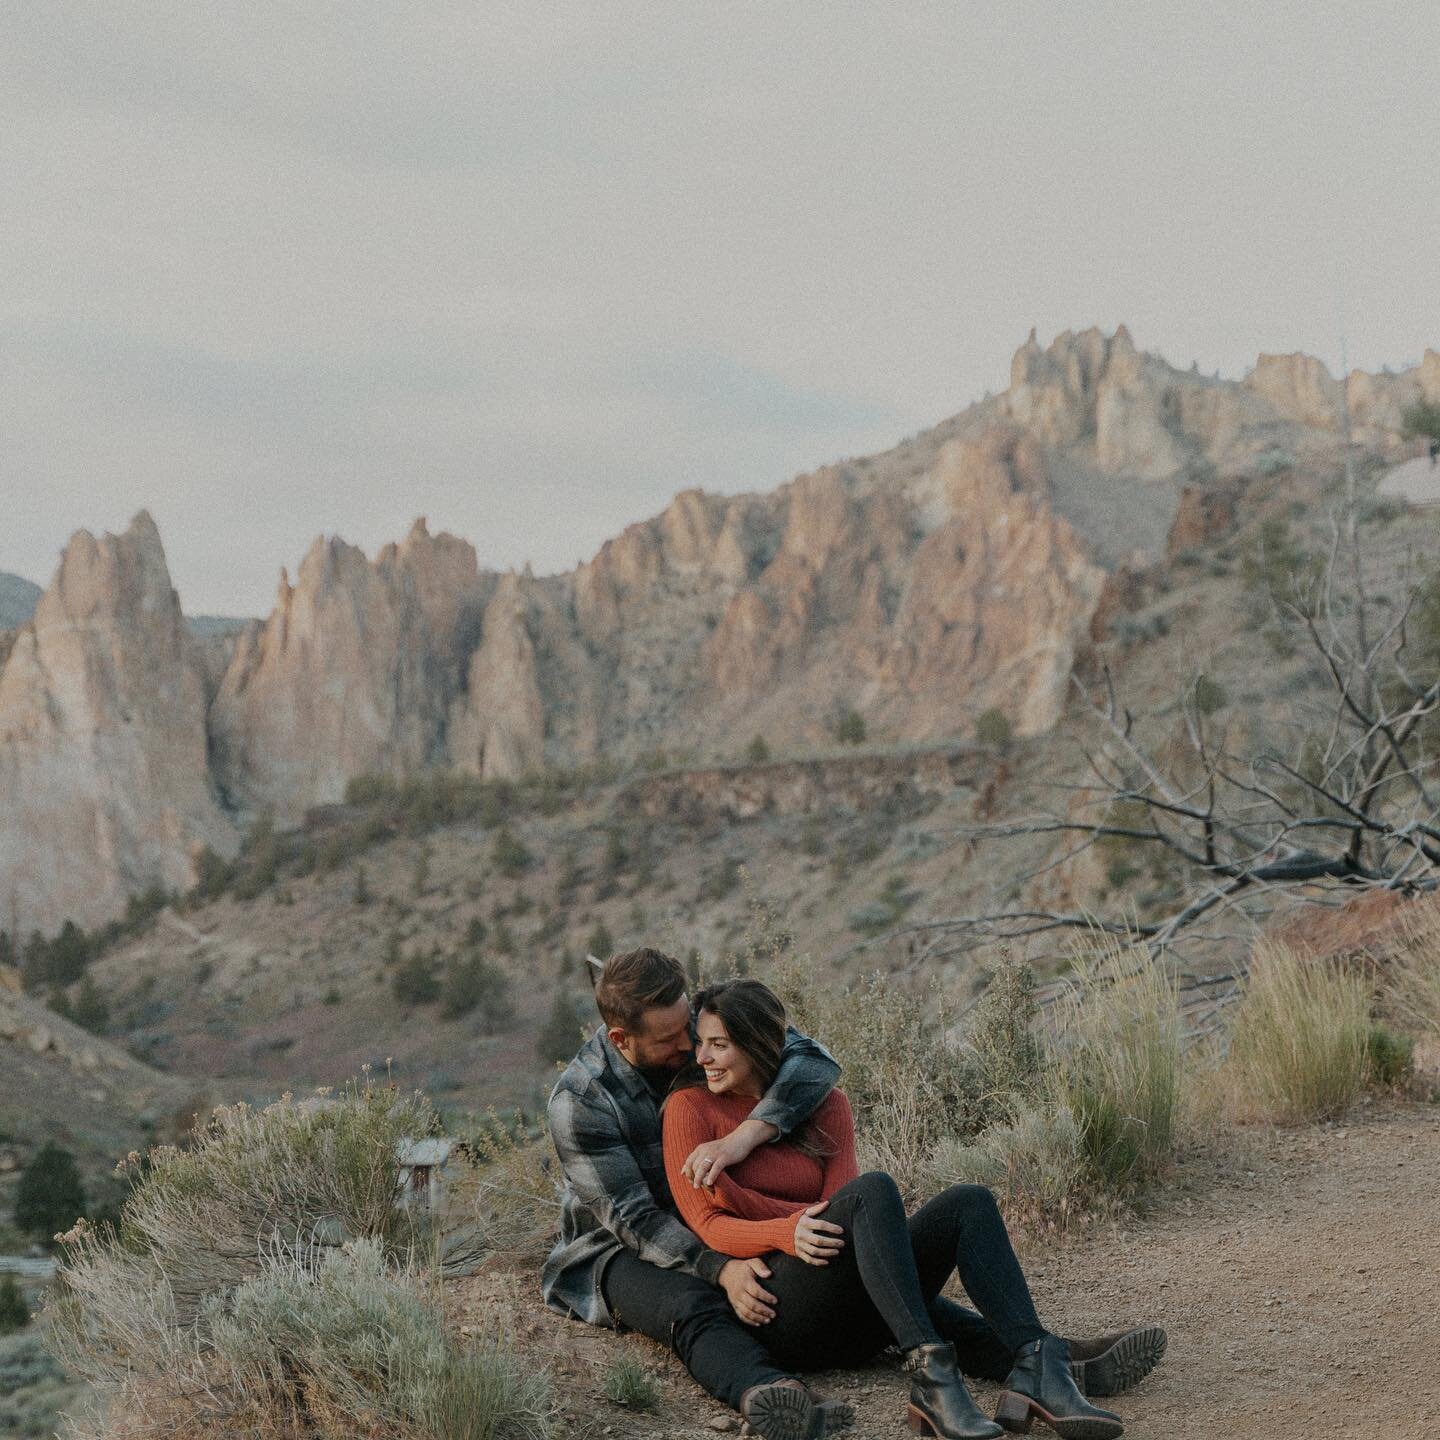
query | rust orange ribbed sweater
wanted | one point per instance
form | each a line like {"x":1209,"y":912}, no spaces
{"x":754,"y":1206}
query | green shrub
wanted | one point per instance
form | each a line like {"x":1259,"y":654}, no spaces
{"x":874,"y":917}
{"x":1118,"y":1062}
{"x":415,"y":981}
{"x":260,"y":859}
{"x":198,"y":1223}
{"x":474,"y":983}
{"x":628,"y":1383}
{"x":345,"y":1344}
{"x":564,"y":1032}
{"x":1389,"y":1057}
{"x":1275,"y":564}
{"x":1207,"y":695}
{"x":25,"y":1362}
{"x":14,"y":1312}
{"x":723,"y":881}
{"x":509,"y":853}
{"x":1299,"y":1045}
{"x":35,"y":1393}
{"x":50,"y":1196}
{"x":600,"y":943}
{"x":757,"y":752}
{"x":89,"y":1009}
{"x":1421,"y":420}
{"x":994,"y":731}
{"x":850,"y":727}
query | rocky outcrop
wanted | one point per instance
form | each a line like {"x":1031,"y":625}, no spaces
{"x":1205,"y":513}
{"x":353,"y":672}
{"x":858,"y":783}
{"x":497,"y":729}
{"x":104,"y":778}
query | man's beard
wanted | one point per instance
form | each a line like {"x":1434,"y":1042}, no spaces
{"x":658,"y":1077}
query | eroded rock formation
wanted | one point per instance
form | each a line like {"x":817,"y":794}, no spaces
{"x":105,"y":787}
{"x":353,"y":672}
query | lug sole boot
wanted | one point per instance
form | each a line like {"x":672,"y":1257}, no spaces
{"x":1112,"y":1364}
{"x":782,"y":1410}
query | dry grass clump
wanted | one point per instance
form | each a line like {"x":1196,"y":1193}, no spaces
{"x":908,"y":1084}
{"x":1085,"y":1116}
{"x":1035,"y":1163}
{"x":1301,"y":1039}
{"x":509,"y":1202}
{"x":1410,"y":977}
{"x":263,"y":1283}
{"x":1118,"y":1062}
{"x":630,"y":1384}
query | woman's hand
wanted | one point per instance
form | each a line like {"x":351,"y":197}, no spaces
{"x":816,"y":1241}
{"x":708,"y":1162}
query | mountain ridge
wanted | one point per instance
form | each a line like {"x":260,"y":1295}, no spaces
{"x":958,"y":572}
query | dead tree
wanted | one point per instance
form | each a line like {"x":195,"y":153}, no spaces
{"x":1309,"y":807}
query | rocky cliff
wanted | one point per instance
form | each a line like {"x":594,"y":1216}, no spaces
{"x":956,"y":573}
{"x":104,"y":774}
{"x":353,"y":672}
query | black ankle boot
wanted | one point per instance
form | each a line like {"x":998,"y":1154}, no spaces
{"x":1040,"y":1387}
{"x":940,"y":1405}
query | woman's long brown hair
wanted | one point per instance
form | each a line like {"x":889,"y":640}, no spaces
{"x":754,"y":1018}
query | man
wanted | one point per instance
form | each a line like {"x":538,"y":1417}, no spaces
{"x":624,"y":1258}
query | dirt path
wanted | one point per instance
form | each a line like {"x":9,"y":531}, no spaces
{"x":1299,"y":1281}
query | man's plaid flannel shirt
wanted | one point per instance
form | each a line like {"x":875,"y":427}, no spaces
{"x":605,"y":1122}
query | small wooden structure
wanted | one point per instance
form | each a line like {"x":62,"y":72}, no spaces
{"x":422,"y":1171}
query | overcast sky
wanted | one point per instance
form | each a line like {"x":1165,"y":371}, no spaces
{"x":273,"y":269}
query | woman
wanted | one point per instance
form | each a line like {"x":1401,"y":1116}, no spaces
{"x":851,"y":1273}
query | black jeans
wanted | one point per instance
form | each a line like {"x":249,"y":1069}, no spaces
{"x":884,"y":1287}
{"x":695,"y":1320}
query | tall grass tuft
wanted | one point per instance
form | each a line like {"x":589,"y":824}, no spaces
{"x":629,"y":1383}
{"x":1410,"y":975}
{"x":1300,"y":1042}
{"x":1118,"y":1062}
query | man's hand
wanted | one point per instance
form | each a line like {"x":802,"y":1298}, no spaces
{"x":706,"y":1163}
{"x":817,"y":1242}
{"x":740,"y":1279}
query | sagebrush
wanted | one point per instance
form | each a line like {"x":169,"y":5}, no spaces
{"x":265,"y":1282}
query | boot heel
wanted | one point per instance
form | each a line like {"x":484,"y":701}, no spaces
{"x":918,"y":1421}
{"x":1014,"y":1413}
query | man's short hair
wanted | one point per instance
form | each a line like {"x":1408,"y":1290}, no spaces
{"x":634,"y":982}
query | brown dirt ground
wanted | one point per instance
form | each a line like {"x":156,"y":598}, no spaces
{"x":1297,"y":1272}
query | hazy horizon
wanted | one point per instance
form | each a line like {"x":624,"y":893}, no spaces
{"x":530,"y":272}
